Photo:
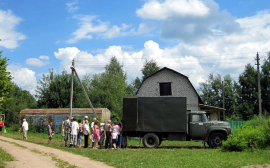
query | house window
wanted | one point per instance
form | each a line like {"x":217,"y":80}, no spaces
{"x":165,"y":89}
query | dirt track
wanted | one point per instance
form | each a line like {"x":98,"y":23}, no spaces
{"x":31,"y":155}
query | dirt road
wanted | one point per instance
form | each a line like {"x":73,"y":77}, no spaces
{"x":31,"y":155}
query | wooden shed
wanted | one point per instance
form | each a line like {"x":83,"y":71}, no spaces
{"x":39,"y":117}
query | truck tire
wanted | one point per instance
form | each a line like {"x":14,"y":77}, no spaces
{"x":150,"y":140}
{"x":215,"y":140}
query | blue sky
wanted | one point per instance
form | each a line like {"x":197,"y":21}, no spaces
{"x":193,"y":37}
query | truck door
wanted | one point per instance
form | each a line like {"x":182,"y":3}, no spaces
{"x":196,"y":127}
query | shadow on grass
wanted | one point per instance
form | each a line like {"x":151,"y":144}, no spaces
{"x":171,"y":147}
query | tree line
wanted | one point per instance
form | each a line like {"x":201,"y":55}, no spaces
{"x":241,"y":97}
{"x":107,"y":89}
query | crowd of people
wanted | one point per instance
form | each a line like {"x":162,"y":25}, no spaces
{"x":94,"y":134}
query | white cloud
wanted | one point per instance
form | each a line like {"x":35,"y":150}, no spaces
{"x":169,"y":8}
{"x":71,"y":7}
{"x":88,"y":25}
{"x":220,"y":42}
{"x":91,"y":27}
{"x":256,"y":28}
{"x":23,"y":77}
{"x":38,"y":62}
{"x":115,"y":31}
{"x":86,"y":63}
{"x":9,"y":35}
{"x":44,"y":57}
{"x":146,"y":27}
{"x":189,"y":21}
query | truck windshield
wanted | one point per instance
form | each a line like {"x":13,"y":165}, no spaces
{"x":204,"y":117}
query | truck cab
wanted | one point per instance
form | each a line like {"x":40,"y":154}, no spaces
{"x":212,"y":132}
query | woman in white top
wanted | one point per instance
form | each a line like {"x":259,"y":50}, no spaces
{"x":86,"y":133}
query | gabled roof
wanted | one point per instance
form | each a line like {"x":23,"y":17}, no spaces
{"x":165,"y":68}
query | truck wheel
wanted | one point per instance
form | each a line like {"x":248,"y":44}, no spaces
{"x":215,"y":140}
{"x":150,"y":140}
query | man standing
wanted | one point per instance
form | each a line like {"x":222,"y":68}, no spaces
{"x":85,"y":118}
{"x":73,"y":133}
{"x":108,"y":129}
{"x":49,"y":129}
{"x":86,"y":132}
{"x":67,"y":129}
{"x":25,"y":129}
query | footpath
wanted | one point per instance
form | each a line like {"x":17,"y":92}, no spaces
{"x":36,"y":156}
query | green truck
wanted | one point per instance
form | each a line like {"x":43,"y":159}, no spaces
{"x":155,"y":119}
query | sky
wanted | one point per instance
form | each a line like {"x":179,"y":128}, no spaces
{"x":193,"y":37}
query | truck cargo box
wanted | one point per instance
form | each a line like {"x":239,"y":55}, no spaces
{"x":155,"y":114}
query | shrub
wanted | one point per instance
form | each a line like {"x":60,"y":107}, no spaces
{"x":234,"y":144}
{"x":14,"y":127}
{"x":254,"y":134}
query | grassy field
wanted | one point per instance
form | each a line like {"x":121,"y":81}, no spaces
{"x":169,"y":154}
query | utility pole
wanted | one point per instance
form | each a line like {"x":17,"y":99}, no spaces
{"x":71,"y":89}
{"x":259,"y":84}
{"x":71,"y":92}
{"x":223,"y":100}
{"x":86,"y":96}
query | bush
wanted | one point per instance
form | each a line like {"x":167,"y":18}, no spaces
{"x":14,"y":127}
{"x":253,"y":134}
{"x":234,"y":144}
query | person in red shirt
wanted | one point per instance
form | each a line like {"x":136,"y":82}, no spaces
{"x":2,"y":125}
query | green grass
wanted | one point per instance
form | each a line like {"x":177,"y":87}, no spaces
{"x":4,"y":157}
{"x":169,"y":154}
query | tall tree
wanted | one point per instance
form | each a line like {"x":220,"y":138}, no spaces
{"x":5,"y":79}
{"x":149,"y":68}
{"x":265,"y":85}
{"x":248,"y":93}
{"x":133,"y":87}
{"x":108,"y":89}
{"x":211,"y":90}
{"x":115,"y":68}
{"x":211,"y":93}
{"x":53,"y":91}
{"x":17,"y":100}
{"x":231,"y":94}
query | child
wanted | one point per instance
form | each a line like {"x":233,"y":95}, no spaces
{"x":49,"y":129}
{"x":114,"y":138}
